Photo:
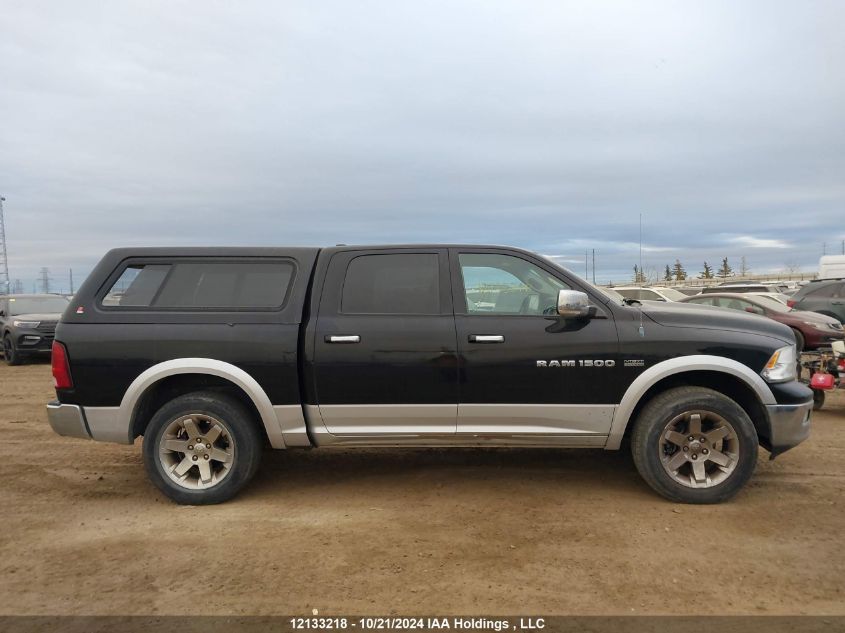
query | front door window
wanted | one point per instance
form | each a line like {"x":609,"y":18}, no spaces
{"x":505,"y":285}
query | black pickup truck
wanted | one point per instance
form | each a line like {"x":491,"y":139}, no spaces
{"x":211,"y":353}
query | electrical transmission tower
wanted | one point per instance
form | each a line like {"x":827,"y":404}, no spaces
{"x":45,"y":281}
{"x":4,"y":259}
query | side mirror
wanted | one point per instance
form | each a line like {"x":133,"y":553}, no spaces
{"x":573,"y":304}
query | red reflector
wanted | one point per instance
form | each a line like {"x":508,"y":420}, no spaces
{"x":61,"y":367}
{"x":791,"y":303}
{"x":822,"y":381}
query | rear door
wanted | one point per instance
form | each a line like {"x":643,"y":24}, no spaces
{"x":828,"y":299}
{"x":385,"y":359}
{"x":525,"y":372}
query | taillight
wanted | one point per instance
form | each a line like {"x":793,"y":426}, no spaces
{"x":61,"y":367}
{"x":791,"y":303}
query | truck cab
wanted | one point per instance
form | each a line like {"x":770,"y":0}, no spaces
{"x":209,"y":353}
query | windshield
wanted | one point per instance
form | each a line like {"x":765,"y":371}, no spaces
{"x":772,"y":304}
{"x":610,"y":292}
{"x":671,"y":293}
{"x":53,"y":304}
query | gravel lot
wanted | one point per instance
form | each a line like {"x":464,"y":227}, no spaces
{"x":409,"y":531}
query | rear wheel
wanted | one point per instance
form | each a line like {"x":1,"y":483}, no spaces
{"x":694,"y":445}
{"x":11,"y":354}
{"x":202,"y":448}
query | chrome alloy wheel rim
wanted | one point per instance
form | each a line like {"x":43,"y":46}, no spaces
{"x":196,"y":451}
{"x":699,"y":449}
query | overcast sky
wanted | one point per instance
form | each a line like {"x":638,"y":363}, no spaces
{"x":547,"y":125}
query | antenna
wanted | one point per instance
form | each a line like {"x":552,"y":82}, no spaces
{"x":641,"y":329}
{"x":4,"y":258}
{"x":641,"y":243}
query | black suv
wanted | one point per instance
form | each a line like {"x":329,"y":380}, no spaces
{"x":825,"y":296}
{"x":27,"y":324}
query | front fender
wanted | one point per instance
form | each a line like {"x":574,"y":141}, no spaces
{"x":680,"y":365}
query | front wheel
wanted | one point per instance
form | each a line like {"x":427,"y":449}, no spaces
{"x":10,"y":353}
{"x":799,"y":340}
{"x":202,"y":448}
{"x":694,"y":445}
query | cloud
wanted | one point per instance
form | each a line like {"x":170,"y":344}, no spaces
{"x":757,"y":242}
{"x":552,"y":129}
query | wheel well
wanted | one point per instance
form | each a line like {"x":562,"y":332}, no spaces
{"x":166,"y":389}
{"x":731,"y":386}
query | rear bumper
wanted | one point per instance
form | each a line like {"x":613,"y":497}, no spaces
{"x":67,"y":420}
{"x":103,"y":424}
{"x":789,"y":425}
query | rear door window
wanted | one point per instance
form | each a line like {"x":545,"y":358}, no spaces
{"x":400,"y":283}
{"x":826,"y":291}
{"x":195,"y":285}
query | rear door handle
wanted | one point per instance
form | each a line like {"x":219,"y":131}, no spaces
{"x":343,"y":339}
{"x":486,"y":338}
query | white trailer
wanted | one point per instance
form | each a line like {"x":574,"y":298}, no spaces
{"x":832,"y":267}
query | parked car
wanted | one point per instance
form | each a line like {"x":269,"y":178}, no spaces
{"x":210,"y":353}
{"x":732,"y":286}
{"x":27,"y":324}
{"x":651,"y":293}
{"x":825,"y":296}
{"x":811,"y":330}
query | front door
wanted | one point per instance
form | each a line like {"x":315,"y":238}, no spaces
{"x":385,"y":349}
{"x":524,"y":371}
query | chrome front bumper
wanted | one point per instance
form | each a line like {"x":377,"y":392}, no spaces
{"x":67,"y":420}
{"x":789,"y":425}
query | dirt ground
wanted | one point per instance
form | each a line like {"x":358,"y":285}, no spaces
{"x":409,"y":531}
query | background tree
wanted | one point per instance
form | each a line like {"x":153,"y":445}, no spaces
{"x":667,"y":276}
{"x":725,"y":270}
{"x":680,"y":272}
{"x":639,"y":275}
{"x":744,"y":268}
{"x":707,"y":273}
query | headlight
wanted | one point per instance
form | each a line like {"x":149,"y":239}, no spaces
{"x":818,"y":326}
{"x":781,"y":366}
{"x":26,"y":324}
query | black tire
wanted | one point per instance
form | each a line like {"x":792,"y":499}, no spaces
{"x":241,"y":427}
{"x":799,"y":340}
{"x":818,"y":399}
{"x":647,"y":438}
{"x":11,"y":354}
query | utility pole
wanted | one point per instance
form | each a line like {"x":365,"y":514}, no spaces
{"x":587,"y":264}
{"x":4,"y":257}
{"x":70,"y":270}
{"x":594,"y":267}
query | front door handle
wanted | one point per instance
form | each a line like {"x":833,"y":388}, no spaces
{"x":486,"y":338}
{"x":343,"y":339}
